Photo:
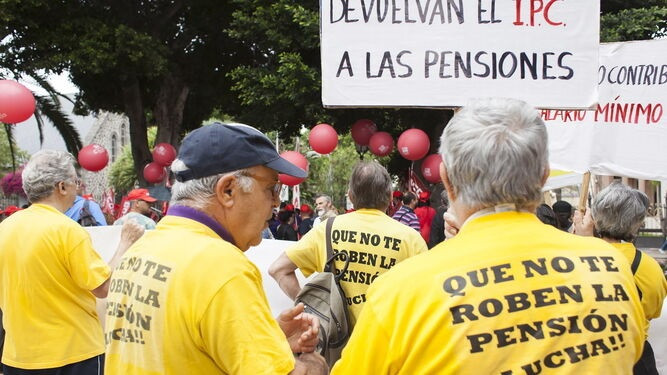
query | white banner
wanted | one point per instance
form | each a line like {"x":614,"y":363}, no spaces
{"x":441,"y":53}
{"x":627,"y":134}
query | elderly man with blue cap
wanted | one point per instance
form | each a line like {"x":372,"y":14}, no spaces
{"x":186,"y":300}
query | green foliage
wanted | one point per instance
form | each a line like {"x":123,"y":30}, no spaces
{"x":329,"y":174}
{"x":634,"y":24}
{"x":122,"y":175}
{"x":21,"y":156}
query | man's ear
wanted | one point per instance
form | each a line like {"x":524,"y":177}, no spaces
{"x":225,"y":190}
{"x":547,"y":172}
{"x":445,"y":182}
{"x":62,"y":188}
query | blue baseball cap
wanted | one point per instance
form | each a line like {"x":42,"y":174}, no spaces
{"x":221,"y":148}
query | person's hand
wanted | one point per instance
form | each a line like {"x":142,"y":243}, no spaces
{"x":583,"y":223}
{"x":131,"y":231}
{"x":311,"y":364}
{"x":300,"y":328}
{"x":451,"y":224}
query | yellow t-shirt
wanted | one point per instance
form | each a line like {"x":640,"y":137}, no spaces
{"x":374,"y":243}
{"x":507,"y":295}
{"x":649,"y":279}
{"x":47,"y":269}
{"x":183,"y":301}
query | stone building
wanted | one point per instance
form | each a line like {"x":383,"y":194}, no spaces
{"x":111,"y":131}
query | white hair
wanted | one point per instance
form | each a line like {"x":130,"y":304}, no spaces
{"x":45,"y":169}
{"x":197,"y":193}
{"x":495,"y":151}
{"x":619,"y":211}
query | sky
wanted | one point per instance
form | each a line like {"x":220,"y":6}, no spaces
{"x":26,"y":133}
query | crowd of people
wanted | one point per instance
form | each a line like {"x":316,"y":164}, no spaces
{"x":475,"y":284}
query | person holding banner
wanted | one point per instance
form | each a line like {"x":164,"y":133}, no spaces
{"x":185,"y":298}
{"x":508,"y":294}
{"x":616,"y":215}
{"x":51,"y":275}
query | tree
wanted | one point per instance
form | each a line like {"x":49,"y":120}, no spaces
{"x":7,"y":152}
{"x":329,"y":174}
{"x":621,"y":21}
{"x":47,"y":107}
{"x":122,"y":175}
{"x":161,"y":62}
{"x":280,"y":89}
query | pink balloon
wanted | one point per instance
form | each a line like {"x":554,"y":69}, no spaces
{"x":381,"y":144}
{"x":17,"y":103}
{"x":154,"y":173}
{"x":164,"y":154}
{"x":413,"y":144}
{"x":431,"y":168}
{"x":362,"y":130}
{"x":298,"y":160}
{"x":323,"y":138}
{"x":93,"y":157}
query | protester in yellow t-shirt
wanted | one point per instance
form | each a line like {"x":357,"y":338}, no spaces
{"x":185,"y":299}
{"x":373,"y":241}
{"x":51,"y":275}
{"x":616,"y":215}
{"x":508,"y":294}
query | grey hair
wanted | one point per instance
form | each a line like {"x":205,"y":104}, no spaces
{"x":495,"y":151}
{"x":45,"y":169}
{"x":326,"y":197}
{"x":197,"y":193}
{"x":370,"y":186}
{"x":618,"y":212}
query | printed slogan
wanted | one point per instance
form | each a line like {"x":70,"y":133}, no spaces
{"x":440,"y":53}
{"x":626,"y":133}
{"x":590,"y":334}
{"x":343,"y":238}
{"x":141,"y":299}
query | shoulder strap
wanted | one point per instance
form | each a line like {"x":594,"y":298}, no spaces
{"x":636,"y":261}
{"x":329,"y":266}
{"x":635,"y":266}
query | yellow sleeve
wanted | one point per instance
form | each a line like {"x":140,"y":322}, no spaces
{"x":651,"y":281}
{"x":419,"y":246}
{"x":239,"y":333}
{"x":84,"y":264}
{"x":308,"y":253}
{"x":367,"y":334}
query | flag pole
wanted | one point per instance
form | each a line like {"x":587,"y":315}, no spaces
{"x":583,"y":197}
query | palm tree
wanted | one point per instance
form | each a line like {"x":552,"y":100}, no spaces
{"x":48,"y":107}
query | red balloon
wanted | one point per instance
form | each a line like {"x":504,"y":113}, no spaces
{"x":323,"y":138}
{"x":298,"y":160}
{"x":154,"y":173}
{"x":431,"y":168}
{"x":164,"y":154}
{"x":413,"y":144}
{"x":93,"y":157}
{"x":362,"y":130}
{"x":381,"y":144}
{"x":17,"y":103}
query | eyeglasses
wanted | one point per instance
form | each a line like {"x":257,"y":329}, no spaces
{"x":274,"y":189}
{"x":74,"y":181}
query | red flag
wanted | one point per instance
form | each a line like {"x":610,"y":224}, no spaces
{"x":108,"y":202}
{"x":124,"y":207}
{"x":415,"y":184}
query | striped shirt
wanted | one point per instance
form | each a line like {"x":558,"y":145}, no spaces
{"x":407,"y":216}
